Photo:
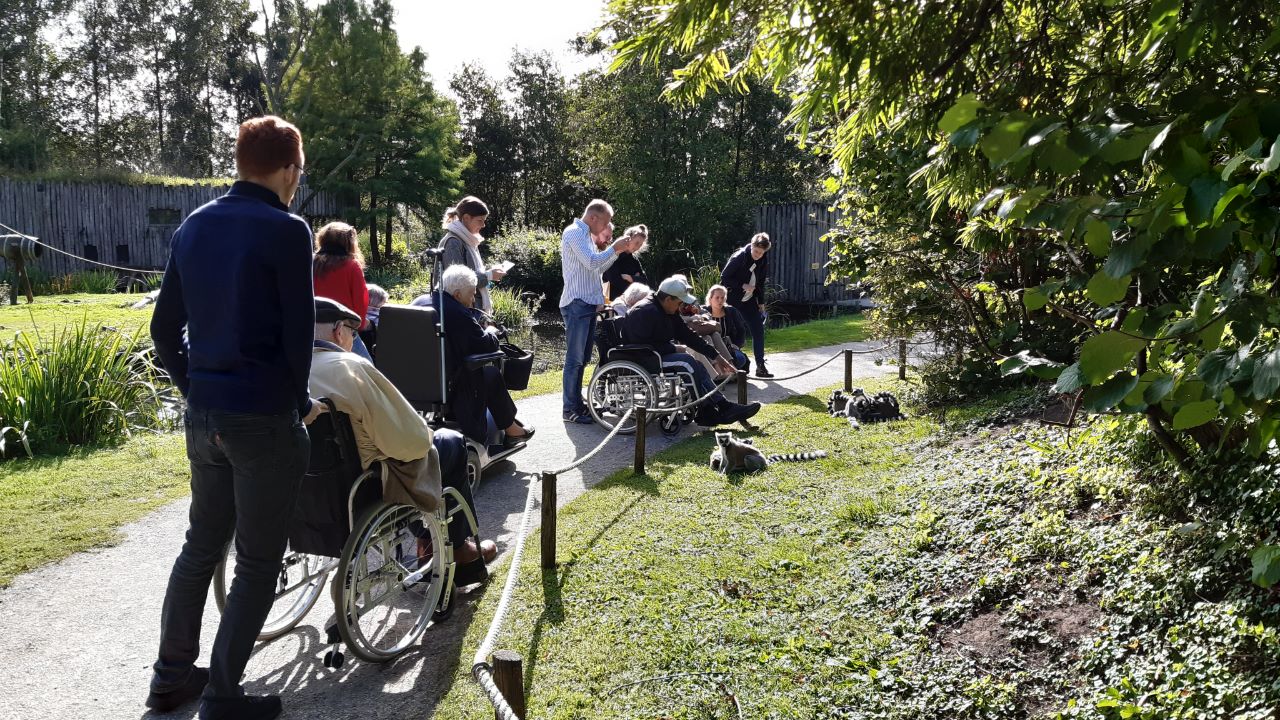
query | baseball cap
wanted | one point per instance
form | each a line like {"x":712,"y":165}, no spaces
{"x":677,"y":287}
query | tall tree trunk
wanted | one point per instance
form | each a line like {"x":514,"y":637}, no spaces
{"x":155,"y":56}
{"x":373,"y":230}
{"x":387,"y":234}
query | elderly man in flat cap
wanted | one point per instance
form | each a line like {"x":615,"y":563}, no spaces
{"x":390,"y":431}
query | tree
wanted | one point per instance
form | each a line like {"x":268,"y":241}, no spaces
{"x":548,"y":196}
{"x":489,"y":133}
{"x":1130,"y":146}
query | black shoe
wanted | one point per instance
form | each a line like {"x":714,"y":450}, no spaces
{"x":245,"y":707}
{"x":513,"y":440}
{"x":737,"y":413}
{"x":173,"y":699}
{"x":708,"y":415}
{"x":470,"y":573}
{"x":762,"y":371}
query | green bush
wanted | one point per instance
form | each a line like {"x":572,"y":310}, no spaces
{"x":75,"y":386}
{"x":536,"y":254}
{"x":88,"y":281}
{"x":513,"y":309}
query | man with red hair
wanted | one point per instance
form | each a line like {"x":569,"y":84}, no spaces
{"x":233,"y":326}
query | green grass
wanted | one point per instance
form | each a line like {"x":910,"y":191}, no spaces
{"x":816,"y":333}
{"x":50,"y":311}
{"x":53,"y":507}
{"x":686,"y":571}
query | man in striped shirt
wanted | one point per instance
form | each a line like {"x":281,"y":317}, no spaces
{"x":582,"y":266}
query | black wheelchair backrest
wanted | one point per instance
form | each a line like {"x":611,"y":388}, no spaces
{"x":319,"y":524}
{"x":409,"y":354}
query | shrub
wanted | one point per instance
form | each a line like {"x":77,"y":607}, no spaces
{"x":92,"y":281}
{"x":536,"y":254}
{"x":513,"y":309}
{"x":77,"y":386}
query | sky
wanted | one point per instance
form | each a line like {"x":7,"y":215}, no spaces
{"x":491,"y":30}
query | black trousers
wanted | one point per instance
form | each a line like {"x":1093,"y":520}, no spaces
{"x":245,"y":474}
{"x":452,"y":448}
{"x":497,"y":398}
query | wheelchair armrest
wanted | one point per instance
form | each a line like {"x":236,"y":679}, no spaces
{"x":479,"y":360}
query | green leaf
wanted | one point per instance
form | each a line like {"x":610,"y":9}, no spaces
{"x":1226,"y":199}
{"x":1156,"y":143}
{"x":1217,"y":367}
{"x":1034,"y":299}
{"x":1097,"y":236}
{"x":1105,"y":396}
{"x":1017,"y":208}
{"x":1266,"y":565}
{"x":1104,"y":289}
{"x":1025,"y":361}
{"x":1203,"y":195}
{"x":967,"y":136}
{"x":1266,"y":376}
{"x":1127,"y":149}
{"x":1272,"y":163}
{"x":1005,"y":138}
{"x":987,"y":199}
{"x":1186,"y":163}
{"x":1103,"y":354}
{"x":1160,"y":387}
{"x":1195,"y":414}
{"x":1125,"y":257}
{"x":962,"y":113}
{"x":1055,"y":156}
{"x":1069,"y":381}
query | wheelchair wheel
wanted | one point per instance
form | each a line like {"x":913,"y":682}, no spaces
{"x":616,"y":388}
{"x":384,"y":596}
{"x":301,"y":580}
{"x":474,"y":471}
{"x":670,"y":423}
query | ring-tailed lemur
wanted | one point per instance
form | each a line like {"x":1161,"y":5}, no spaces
{"x":860,"y":408}
{"x":744,"y":457}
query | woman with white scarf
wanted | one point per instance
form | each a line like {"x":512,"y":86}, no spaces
{"x":461,"y":246}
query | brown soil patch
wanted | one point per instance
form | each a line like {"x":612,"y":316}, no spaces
{"x":982,"y":635}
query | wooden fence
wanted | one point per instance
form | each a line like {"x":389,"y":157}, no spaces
{"x":798,"y":260}
{"x":125,"y":225}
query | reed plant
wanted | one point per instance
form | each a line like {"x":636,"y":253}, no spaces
{"x":75,"y":386}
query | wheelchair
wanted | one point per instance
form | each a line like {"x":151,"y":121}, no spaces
{"x":631,"y":375}
{"x":385,"y":593}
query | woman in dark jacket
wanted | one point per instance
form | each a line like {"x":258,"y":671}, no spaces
{"x":745,"y":276}
{"x":627,"y":268}
{"x":471,"y":393}
{"x":733,"y":327}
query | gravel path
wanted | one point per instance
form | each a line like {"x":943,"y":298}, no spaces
{"x":79,"y":636}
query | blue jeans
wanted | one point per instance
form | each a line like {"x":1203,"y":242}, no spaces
{"x":701,"y":380}
{"x":245,"y":474}
{"x":579,"y":329}
{"x":739,"y":359}
{"x":452,"y":449}
{"x":358,"y":347}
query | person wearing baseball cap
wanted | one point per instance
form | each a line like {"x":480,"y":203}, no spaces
{"x":654,"y":322}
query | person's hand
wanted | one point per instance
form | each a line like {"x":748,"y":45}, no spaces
{"x":724,"y":367}
{"x":496,"y":273}
{"x":628,"y":278}
{"x":762,"y":308}
{"x":621,"y":245}
{"x":317,"y":409}
{"x":491,"y":329}
{"x":748,"y":287}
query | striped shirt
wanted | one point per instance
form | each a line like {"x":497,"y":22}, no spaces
{"x":582,"y":265}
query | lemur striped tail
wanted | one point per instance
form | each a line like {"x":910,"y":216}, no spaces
{"x":796,"y":457}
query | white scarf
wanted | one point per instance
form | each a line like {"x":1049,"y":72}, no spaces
{"x":471,"y":239}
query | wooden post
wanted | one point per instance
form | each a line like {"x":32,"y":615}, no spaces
{"x":642,"y":418}
{"x":902,"y":359}
{"x":848,"y":370}
{"x":508,"y":675}
{"x":548,"y":521}
{"x":742,"y":387}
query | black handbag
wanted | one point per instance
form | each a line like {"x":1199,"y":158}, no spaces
{"x":517,"y":367}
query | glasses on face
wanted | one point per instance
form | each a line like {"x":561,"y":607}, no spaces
{"x":349,"y":326}
{"x":301,"y":169}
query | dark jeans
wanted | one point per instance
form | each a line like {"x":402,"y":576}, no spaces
{"x":739,"y":358}
{"x":701,"y":380}
{"x":452,"y":448}
{"x":245,"y":473}
{"x":579,"y":329}
{"x":755,"y":327}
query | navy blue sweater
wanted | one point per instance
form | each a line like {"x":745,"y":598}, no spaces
{"x":647,"y":323}
{"x":239,"y":282}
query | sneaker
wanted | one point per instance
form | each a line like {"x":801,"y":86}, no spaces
{"x":762,"y":371}
{"x":582,"y":418}
{"x":173,"y":699}
{"x":708,"y":415}
{"x":245,"y":707}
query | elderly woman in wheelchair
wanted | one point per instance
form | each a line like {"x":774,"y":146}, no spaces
{"x":386,"y":503}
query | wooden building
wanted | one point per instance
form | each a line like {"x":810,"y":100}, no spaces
{"x":129,"y":225}
{"x":798,"y":260}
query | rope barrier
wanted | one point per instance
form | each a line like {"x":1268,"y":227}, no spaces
{"x":828,"y":361}
{"x":77,"y":257}
{"x":616,"y":427}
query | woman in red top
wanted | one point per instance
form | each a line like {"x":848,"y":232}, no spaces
{"x":339,"y":272}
